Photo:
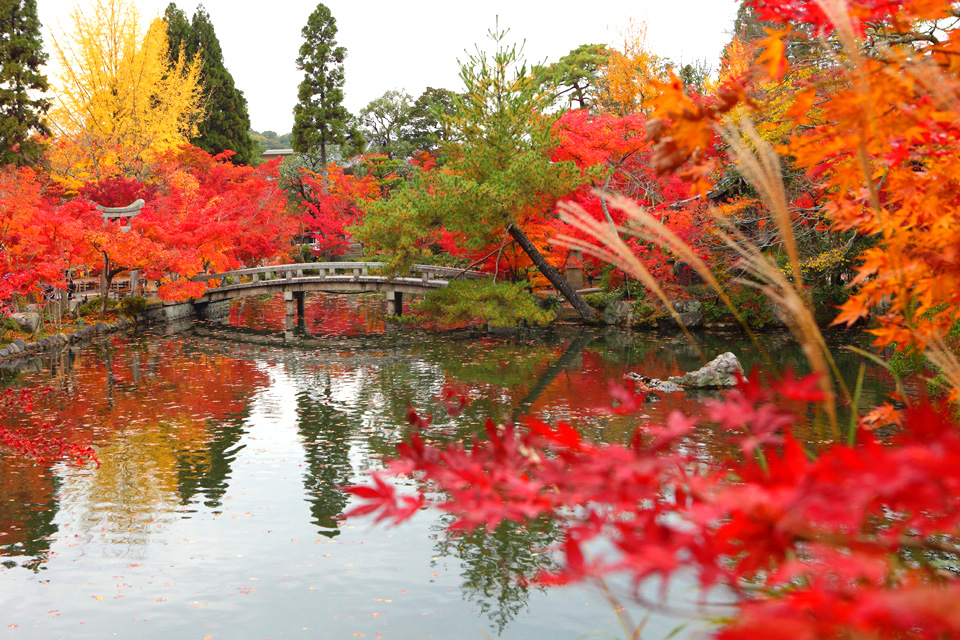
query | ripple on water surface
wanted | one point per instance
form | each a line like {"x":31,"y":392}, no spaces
{"x":218,"y":508}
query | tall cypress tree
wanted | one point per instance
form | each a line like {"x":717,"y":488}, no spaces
{"x":319,"y":118}
{"x":21,"y":55}
{"x":179,"y":34}
{"x":227,"y":121}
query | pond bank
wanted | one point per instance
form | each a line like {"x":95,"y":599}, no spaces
{"x":156,"y":312}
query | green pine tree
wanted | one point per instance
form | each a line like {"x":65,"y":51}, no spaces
{"x":21,"y":55}
{"x":500,"y":176}
{"x":319,"y":118}
{"x":574,"y":79}
{"x":179,"y":35}
{"x":227,"y":121}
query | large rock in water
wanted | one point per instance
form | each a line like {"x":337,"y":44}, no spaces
{"x":26,"y":321}
{"x":719,"y":372}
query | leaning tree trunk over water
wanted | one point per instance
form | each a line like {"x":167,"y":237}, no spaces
{"x":586,"y":311}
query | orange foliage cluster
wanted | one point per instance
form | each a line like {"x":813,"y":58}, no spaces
{"x":877,"y":136}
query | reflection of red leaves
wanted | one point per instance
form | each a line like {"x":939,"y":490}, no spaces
{"x":41,"y":441}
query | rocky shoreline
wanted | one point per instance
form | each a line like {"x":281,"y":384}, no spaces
{"x":20,"y":348}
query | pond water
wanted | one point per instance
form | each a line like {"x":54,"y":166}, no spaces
{"x":217,"y":511}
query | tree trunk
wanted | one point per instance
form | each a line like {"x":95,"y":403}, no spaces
{"x":323,"y":163}
{"x":586,"y":311}
{"x":105,"y":282}
{"x":574,"y":348}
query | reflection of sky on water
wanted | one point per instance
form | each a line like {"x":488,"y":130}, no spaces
{"x":217,"y":509}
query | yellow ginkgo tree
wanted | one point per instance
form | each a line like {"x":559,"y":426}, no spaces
{"x":628,"y":75}
{"x":118,"y":100}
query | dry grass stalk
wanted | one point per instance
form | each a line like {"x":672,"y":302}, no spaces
{"x":649,"y":229}
{"x":762,"y":170}
{"x":615,"y":251}
{"x":940,"y":354}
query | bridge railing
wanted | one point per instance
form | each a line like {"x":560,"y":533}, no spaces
{"x":422,"y":272}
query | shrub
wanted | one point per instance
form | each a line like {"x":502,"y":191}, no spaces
{"x":93,"y":305}
{"x":133,"y":306}
{"x":502,"y":304}
{"x":598,"y":301}
{"x":646,"y":315}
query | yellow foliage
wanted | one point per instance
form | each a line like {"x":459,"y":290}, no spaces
{"x":118,"y":99}
{"x":627,"y":78}
{"x":736,"y":62}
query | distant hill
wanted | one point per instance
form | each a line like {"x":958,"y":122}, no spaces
{"x":270,"y":139}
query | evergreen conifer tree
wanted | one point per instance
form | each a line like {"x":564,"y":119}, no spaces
{"x":21,"y":55}
{"x":179,"y":34}
{"x":320,"y":119}
{"x":227,"y":122}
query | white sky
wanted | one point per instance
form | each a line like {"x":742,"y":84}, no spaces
{"x":413,"y":44}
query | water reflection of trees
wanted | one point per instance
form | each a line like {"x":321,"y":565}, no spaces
{"x":325,"y":432}
{"x":169,"y":414}
{"x":27,"y":491}
{"x":499,"y":568}
{"x":166,"y":417}
{"x":325,"y":314}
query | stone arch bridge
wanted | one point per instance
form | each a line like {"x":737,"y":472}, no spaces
{"x":295,"y":280}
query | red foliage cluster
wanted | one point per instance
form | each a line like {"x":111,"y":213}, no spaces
{"x":834,"y":544}
{"x":811,"y":12}
{"x":201,"y":212}
{"x":332,"y":209}
{"x":117,"y":191}
{"x":37,"y":232}
{"x":38,"y":440}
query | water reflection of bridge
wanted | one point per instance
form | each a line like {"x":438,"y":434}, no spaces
{"x":295,"y":280}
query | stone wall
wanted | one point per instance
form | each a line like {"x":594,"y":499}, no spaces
{"x":166,"y":311}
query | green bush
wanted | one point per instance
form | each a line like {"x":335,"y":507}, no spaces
{"x":715,"y":311}
{"x":753,"y":306}
{"x":598,"y":301}
{"x":502,"y":304}
{"x":550,"y":302}
{"x":907,"y":362}
{"x":750,"y":303}
{"x":133,"y":306}
{"x":93,"y":305}
{"x":826,"y":299}
{"x":646,"y":315}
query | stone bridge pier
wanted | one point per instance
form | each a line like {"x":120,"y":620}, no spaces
{"x":395,"y":302}
{"x":295,"y":303}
